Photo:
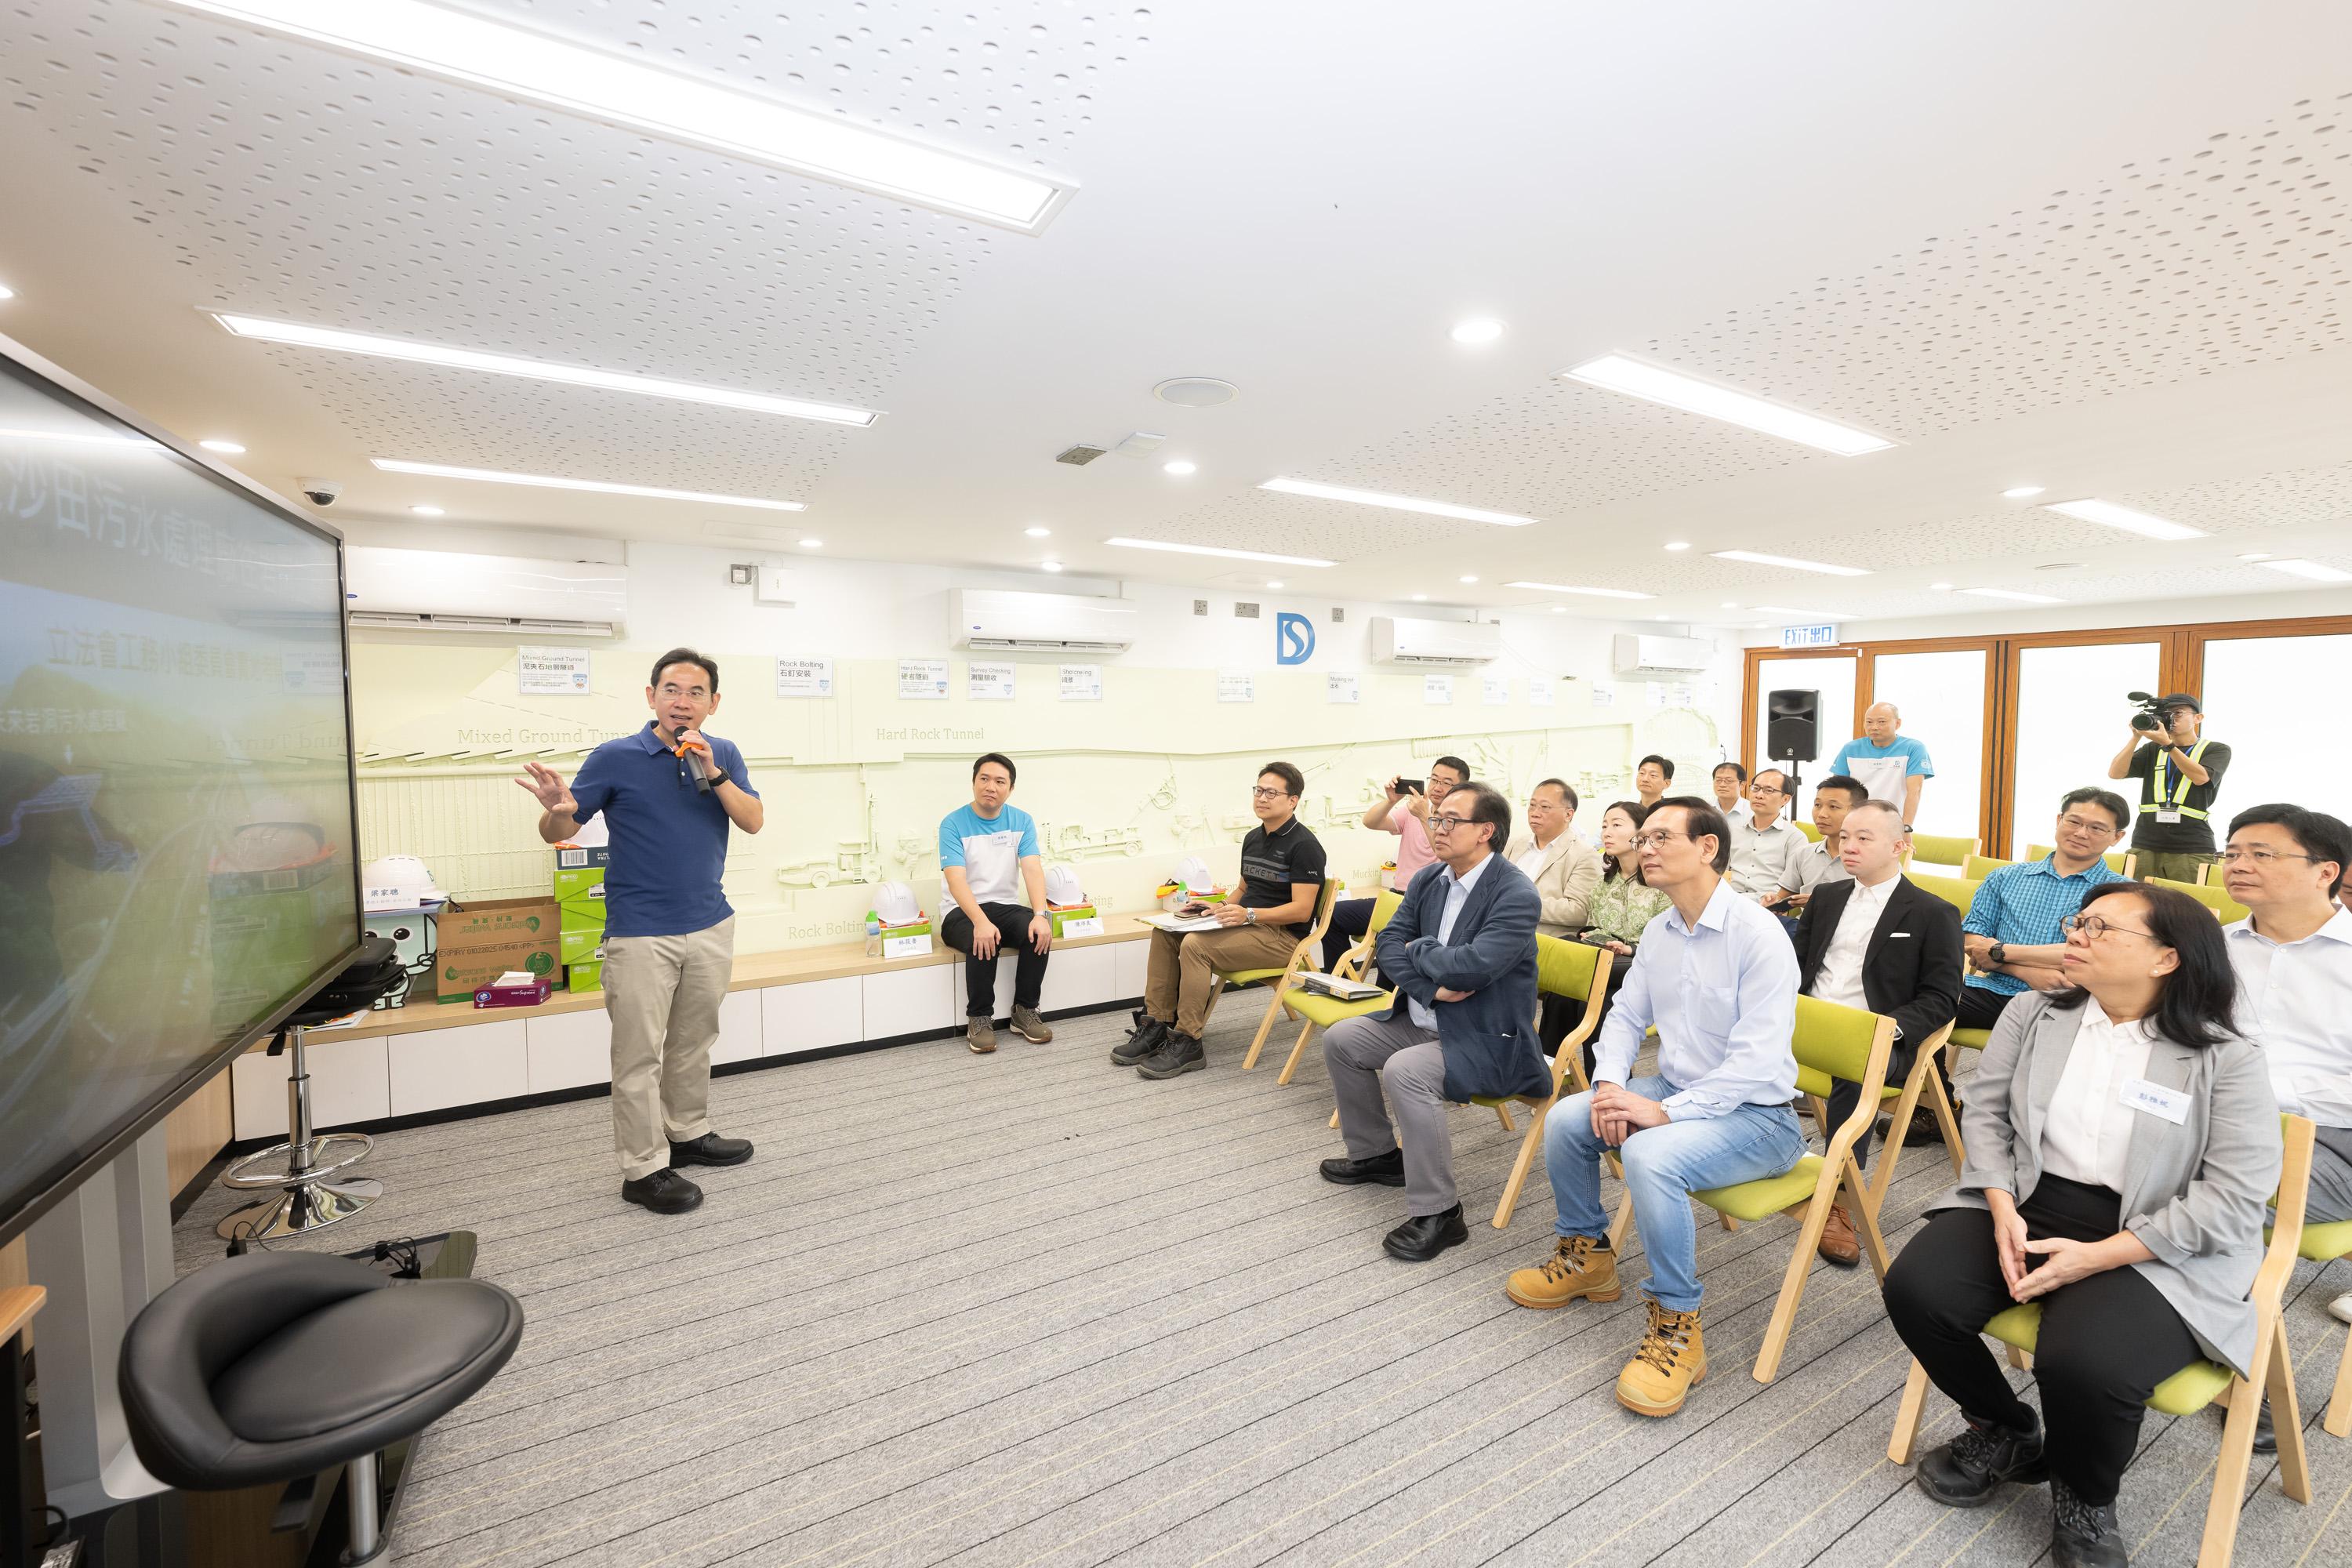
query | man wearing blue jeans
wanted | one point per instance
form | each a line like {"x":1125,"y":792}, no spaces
{"x":1718,"y":978}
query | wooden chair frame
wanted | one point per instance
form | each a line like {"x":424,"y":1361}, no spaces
{"x":1301,"y":962}
{"x":1356,"y":963}
{"x":1837,"y":1173}
{"x":2271,"y":1361}
{"x":2337,"y":1422}
{"x":1567,"y":1063}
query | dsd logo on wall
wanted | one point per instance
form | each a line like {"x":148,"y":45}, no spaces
{"x":1293,"y":638}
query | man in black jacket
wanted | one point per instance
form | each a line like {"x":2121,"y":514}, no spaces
{"x":1882,"y":944}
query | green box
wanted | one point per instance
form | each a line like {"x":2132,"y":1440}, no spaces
{"x":584,"y":946}
{"x":582,"y":913}
{"x":579,"y":882}
{"x":1075,"y":912}
{"x":584,"y":976}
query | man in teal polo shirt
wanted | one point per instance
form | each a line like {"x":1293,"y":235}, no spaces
{"x":668,"y":795}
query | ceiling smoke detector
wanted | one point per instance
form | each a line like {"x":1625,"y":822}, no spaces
{"x":1196,"y":391}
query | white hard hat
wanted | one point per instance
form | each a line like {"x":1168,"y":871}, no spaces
{"x":398,"y":884}
{"x":1063,"y":887}
{"x":1193,"y":872}
{"x":894,"y":902}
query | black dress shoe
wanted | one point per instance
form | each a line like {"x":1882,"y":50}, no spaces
{"x":664,"y":1192}
{"x":710,"y":1149}
{"x":1148,"y":1036}
{"x":1425,"y":1236}
{"x":1387,"y":1169}
{"x":2265,"y":1435}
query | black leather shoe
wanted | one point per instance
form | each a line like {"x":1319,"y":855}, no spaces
{"x":2265,"y":1435}
{"x":1179,"y":1054}
{"x":1425,"y":1236}
{"x":2083,"y":1535}
{"x":1148,"y":1036}
{"x":711,"y":1150}
{"x":1387,"y":1169}
{"x":1967,"y":1471}
{"x":664,"y":1192}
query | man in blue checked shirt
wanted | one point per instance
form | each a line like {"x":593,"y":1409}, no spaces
{"x":2013,"y":935}
{"x":1717,"y":976}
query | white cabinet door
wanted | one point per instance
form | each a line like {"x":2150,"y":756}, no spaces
{"x":813,"y":1015}
{"x":1133,"y":962}
{"x":1081,"y":977}
{"x":919,"y":1001}
{"x":740,"y":1031}
{"x":348,"y":1084}
{"x":568,"y":1050}
{"x":434,"y":1069}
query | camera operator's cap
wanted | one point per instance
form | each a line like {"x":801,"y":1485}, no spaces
{"x":2180,"y":700}
{"x":1063,"y":887}
{"x":894,"y":902}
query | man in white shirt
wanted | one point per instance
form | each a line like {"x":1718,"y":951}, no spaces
{"x":1718,"y":979}
{"x":2293,"y":953}
{"x":1764,"y":845}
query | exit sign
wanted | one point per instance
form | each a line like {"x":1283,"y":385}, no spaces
{"x":1808,"y":636}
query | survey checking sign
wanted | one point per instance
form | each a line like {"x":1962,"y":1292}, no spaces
{"x":1824,"y":635}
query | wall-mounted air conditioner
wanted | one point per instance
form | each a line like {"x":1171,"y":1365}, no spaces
{"x":1397,"y":639}
{"x":445,"y":591}
{"x":1642,"y":654}
{"x":1038,"y":623}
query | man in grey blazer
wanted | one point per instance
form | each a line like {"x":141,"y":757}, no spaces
{"x":1563,"y":867}
{"x":1461,"y":952}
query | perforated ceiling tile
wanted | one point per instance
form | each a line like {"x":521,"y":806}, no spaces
{"x":293,"y":182}
{"x":2234,"y":252}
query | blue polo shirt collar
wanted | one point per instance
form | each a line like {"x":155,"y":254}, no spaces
{"x":648,"y":740}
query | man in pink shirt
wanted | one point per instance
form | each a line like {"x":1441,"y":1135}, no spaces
{"x":1405,"y":813}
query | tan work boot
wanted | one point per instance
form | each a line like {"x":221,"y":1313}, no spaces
{"x":1580,"y":1265}
{"x":1029,"y":1025}
{"x":980,"y":1034}
{"x":1672,"y":1358}
{"x":1839,"y":1244}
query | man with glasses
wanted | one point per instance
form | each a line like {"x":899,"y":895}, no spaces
{"x":2293,"y":953}
{"x":2014,"y":933}
{"x":2180,"y":773}
{"x":670,"y":794}
{"x":1461,"y":952}
{"x":1765,"y":846}
{"x":1403,"y":811}
{"x":1718,"y":978}
{"x":1257,"y":928}
{"x":1730,"y":787}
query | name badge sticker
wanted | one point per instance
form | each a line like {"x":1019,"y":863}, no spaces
{"x":2169,"y":818}
{"x":2172,"y":1104}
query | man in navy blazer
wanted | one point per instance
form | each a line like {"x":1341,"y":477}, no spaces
{"x":1461,"y":952}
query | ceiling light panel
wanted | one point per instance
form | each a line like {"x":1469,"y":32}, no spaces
{"x":1172,"y":547}
{"x":595,"y":84}
{"x":2318,"y":571}
{"x":1593,"y":592}
{"x":1320,"y":491}
{"x":2108,"y":514}
{"x":1792,"y":562}
{"x":2013,"y":595}
{"x":1695,"y":395}
{"x":598,"y":487}
{"x":1805,"y":615}
{"x":334,"y":340}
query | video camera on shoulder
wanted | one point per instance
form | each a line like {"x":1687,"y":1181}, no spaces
{"x":2147,"y":720}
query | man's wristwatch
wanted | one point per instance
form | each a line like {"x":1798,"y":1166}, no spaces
{"x":1998,"y":952}
{"x":1249,"y":917}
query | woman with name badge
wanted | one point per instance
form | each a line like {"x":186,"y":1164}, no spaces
{"x":2122,"y":1144}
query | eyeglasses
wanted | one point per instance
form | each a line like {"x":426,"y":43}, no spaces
{"x":1760,"y":787}
{"x":1444,"y":821}
{"x":1655,"y":840}
{"x":2085,"y":825}
{"x":1262,"y":793}
{"x":2262,"y":857}
{"x":2093,"y":928}
{"x":675,"y":693}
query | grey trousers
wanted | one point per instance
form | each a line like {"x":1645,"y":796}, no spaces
{"x":1366,"y":1055}
{"x":2331,"y":1177}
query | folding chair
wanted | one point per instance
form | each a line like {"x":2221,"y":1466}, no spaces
{"x":2214,"y":897}
{"x":1943,"y":850}
{"x":1977,"y":867}
{"x":2324,"y":1244}
{"x":1318,"y":1011}
{"x":1922,"y":1082}
{"x":1580,"y":971}
{"x":1302,"y":960}
{"x":2201,"y":1382}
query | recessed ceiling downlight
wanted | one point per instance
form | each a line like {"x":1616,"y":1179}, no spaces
{"x":1195,"y":391}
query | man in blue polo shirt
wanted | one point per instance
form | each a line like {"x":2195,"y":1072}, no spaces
{"x":669,"y":945}
{"x":2014,"y":935}
{"x":988,"y":852}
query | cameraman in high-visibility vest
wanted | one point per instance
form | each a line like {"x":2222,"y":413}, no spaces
{"x":2180,"y":773}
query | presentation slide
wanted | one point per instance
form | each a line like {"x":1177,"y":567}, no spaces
{"x":176,"y":841}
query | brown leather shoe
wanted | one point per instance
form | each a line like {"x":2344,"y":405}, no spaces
{"x":1839,"y":1244}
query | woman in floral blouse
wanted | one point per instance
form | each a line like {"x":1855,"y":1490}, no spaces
{"x":1622,"y":904}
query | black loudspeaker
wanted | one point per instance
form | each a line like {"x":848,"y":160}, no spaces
{"x":1793,"y":726}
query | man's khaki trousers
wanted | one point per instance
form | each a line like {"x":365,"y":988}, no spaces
{"x":661,"y":994}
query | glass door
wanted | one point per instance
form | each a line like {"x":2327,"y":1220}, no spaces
{"x":2275,"y":688}
{"x":1832,"y":675}
{"x":2072,"y":717}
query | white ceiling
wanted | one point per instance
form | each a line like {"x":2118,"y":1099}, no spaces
{"x":2105,"y":247}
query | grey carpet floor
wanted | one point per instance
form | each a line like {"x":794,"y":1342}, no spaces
{"x":1030,"y":1309}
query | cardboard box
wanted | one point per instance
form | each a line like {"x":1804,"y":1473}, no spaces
{"x":578,"y":854}
{"x":579,"y":881}
{"x":1075,"y":920}
{"x":484,"y":938}
{"x":581,"y":946}
{"x":584,"y":913}
{"x":585,"y":976}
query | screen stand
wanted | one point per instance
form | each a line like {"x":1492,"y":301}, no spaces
{"x":103,"y":1253}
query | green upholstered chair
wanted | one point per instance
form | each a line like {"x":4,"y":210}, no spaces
{"x":1284,"y":979}
{"x":1977,"y":867}
{"x":2225,"y":908}
{"x":1316,"y":1011}
{"x":1944,"y":849}
{"x":2122,"y":862}
{"x":1580,"y":971}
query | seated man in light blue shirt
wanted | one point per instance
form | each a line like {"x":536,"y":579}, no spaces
{"x":1718,"y":978}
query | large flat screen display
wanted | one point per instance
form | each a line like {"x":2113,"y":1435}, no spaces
{"x":177,"y":864}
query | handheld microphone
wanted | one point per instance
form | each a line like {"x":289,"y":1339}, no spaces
{"x":701,"y":774}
